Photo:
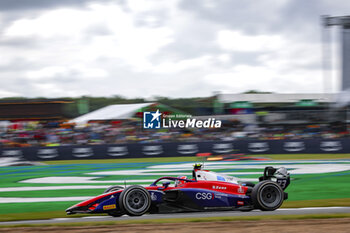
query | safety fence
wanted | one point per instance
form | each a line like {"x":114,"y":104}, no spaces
{"x":173,"y":149}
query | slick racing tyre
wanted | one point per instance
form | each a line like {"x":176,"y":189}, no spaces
{"x":113,"y":189}
{"x":267,"y":196}
{"x":135,"y":200}
{"x":114,"y":213}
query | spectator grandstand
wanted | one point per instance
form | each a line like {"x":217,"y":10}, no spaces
{"x":25,"y":134}
{"x":244,"y":117}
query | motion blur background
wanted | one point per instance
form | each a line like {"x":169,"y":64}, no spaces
{"x":269,"y":70}
{"x":76,"y":77}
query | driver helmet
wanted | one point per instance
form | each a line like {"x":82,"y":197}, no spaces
{"x":197,"y":166}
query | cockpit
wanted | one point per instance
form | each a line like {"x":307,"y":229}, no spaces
{"x":213,"y":176}
{"x":199,"y":174}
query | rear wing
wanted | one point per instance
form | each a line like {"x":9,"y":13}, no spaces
{"x":278,"y":175}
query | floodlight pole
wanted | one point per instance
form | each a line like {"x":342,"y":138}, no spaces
{"x":344,"y":23}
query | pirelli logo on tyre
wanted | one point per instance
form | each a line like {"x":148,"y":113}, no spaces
{"x":109,"y":207}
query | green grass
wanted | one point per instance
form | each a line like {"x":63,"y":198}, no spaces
{"x":32,"y":210}
{"x":197,"y":159}
{"x":54,"y":193}
{"x":307,"y":190}
{"x":317,"y":203}
{"x":49,"y":210}
{"x":47,"y":214}
{"x":318,"y":186}
{"x":135,"y":160}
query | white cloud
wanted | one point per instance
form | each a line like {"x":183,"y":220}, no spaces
{"x":150,"y":47}
{"x":62,"y":22}
{"x":4,"y":94}
{"x":52,"y":89}
{"x":182,"y":65}
{"x":244,"y":77}
{"x":225,"y":58}
{"x":237,"y":41}
{"x":78,"y":70}
{"x":151,"y":5}
{"x":65,"y":28}
{"x":47,"y":72}
{"x":241,"y":77}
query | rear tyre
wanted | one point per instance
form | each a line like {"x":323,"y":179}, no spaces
{"x":135,"y":200}
{"x":267,"y":196}
{"x":246,"y":209}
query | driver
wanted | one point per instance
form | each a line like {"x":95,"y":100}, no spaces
{"x":196,"y":167}
{"x":180,"y":182}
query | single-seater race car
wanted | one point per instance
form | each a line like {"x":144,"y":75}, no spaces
{"x":206,"y":191}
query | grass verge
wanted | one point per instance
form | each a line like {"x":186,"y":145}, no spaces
{"x":317,"y":203}
{"x":184,"y":220}
{"x":62,"y":214}
{"x":37,"y":216}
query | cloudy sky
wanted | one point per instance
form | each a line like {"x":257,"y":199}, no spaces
{"x":175,"y":48}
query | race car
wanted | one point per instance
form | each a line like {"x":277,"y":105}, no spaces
{"x":205,"y":191}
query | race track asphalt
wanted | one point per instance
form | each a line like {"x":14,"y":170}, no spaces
{"x":289,"y":211}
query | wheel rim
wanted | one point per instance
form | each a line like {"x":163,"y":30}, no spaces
{"x":136,"y":201}
{"x":270,"y":196}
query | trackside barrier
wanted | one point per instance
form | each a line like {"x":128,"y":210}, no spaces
{"x":174,"y":149}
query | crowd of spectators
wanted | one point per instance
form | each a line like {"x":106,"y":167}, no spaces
{"x":25,"y":134}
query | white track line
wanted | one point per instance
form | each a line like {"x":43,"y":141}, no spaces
{"x":15,"y":189}
{"x":41,"y":199}
{"x":78,"y":180}
{"x":313,"y":208}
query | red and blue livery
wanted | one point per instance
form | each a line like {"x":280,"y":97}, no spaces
{"x":205,"y":191}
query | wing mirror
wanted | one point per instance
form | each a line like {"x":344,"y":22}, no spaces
{"x":165,"y":185}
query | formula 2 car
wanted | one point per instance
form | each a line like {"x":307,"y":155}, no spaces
{"x":204,"y":192}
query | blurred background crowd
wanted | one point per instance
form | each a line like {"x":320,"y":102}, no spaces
{"x":246,"y":116}
{"x":35,"y":133}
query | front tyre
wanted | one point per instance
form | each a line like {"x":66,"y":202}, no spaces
{"x":267,"y":196}
{"x":115,"y":213}
{"x":135,"y":200}
{"x":113,"y":188}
